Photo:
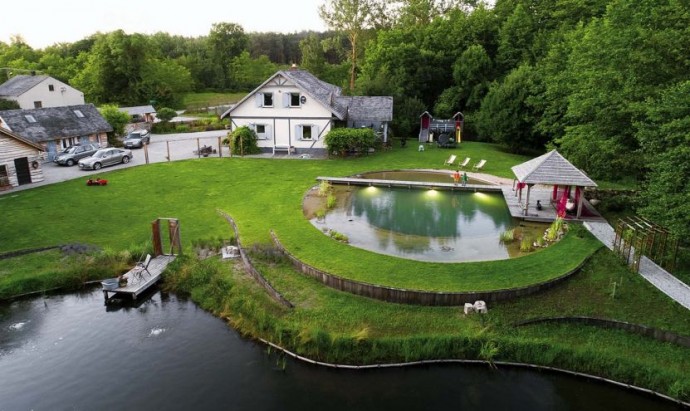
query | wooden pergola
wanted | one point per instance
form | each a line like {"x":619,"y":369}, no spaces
{"x":553,"y":169}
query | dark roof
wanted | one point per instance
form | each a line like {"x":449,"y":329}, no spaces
{"x":18,"y":85}
{"x":138,"y":110}
{"x":56,"y":122}
{"x":365,"y":108}
{"x":551,"y":168}
{"x":343,"y":107}
{"x":10,"y":134}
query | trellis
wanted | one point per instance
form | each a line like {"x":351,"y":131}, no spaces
{"x":636,"y":236}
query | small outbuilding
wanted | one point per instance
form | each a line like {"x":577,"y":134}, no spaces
{"x":20,"y":161}
{"x":140,"y":114}
{"x":553,"y":169}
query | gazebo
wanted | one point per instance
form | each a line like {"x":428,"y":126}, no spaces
{"x":553,"y":168}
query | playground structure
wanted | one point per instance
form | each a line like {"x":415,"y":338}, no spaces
{"x":447,"y":132}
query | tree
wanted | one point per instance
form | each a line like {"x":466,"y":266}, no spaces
{"x":664,"y":136}
{"x":225,"y":41}
{"x":117,"y":120}
{"x":165,"y":114}
{"x":8,"y":104}
{"x":247,"y":73}
{"x":353,"y":17}
{"x":505,"y":115}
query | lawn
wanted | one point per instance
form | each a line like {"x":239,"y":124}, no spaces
{"x":195,"y":101}
{"x":264,"y":194}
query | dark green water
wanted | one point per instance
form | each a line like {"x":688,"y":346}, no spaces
{"x":426,"y":225}
{"x":70,"y":352}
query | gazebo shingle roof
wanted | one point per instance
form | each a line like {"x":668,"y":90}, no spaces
{"x":551,"y":168}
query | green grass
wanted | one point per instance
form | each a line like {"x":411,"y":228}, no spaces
{"x":264,"y":194}
{"x":193,"y":101}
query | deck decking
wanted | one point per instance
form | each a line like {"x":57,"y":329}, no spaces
{"x":409,"y":184}
{"x":137,"y":286}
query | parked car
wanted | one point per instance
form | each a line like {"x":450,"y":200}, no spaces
{"x":137,"y":138}
{"x":72,"y":154}
{"x":106,"y":157}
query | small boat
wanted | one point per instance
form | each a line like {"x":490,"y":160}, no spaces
{"x":110,"y":284}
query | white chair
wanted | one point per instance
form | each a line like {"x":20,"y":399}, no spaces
{"x":479,"y":165}
{"x":480,"y":307}
{"x":141,"y":268}
{"x":464,"y":163}
{"x":469,"y":308}
{"x":450,"y":160}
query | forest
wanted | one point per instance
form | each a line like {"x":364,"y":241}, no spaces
{"x":606,"y":82}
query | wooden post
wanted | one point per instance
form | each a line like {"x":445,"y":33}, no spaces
{"x":220,"y":148}
{"x":167,"y":143}
{"x":156,"y":238}
{"x":174,"y":232}
{"x":529,"y":188}
{"x":146,"y":153}
{"x":198,"y":148}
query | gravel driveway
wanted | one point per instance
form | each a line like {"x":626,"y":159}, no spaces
{"x":181,"y":147}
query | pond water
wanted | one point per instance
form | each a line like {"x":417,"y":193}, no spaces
{"x":70,"y":352}
{"x":426,"y":225}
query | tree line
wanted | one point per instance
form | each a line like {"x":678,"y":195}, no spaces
{"x":604,"y":81}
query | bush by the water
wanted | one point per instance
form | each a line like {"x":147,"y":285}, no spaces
{"x":341,"y":141}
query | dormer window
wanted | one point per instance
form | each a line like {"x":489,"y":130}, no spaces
{"x":30,"y":118}
{"x":51,"y":87}
{"x":78,"y":113}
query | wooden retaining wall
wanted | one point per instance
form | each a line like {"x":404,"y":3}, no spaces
{"x":657,"y":334}
{"x":253,"y":271}
{"x":416,"y":297}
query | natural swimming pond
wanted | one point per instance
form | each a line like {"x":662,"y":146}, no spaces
{"x":72,"y":352}
{"x":422,"y":224}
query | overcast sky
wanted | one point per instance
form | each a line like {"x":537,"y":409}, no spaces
{"x":45,"y":22}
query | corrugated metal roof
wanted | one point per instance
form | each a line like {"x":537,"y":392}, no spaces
{"x":551,"y":168}
{"x":138,"y":110}
{"x":56,"y":122}
{"x":18,"y":85}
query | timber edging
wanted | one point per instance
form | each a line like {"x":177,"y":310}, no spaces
{"x":250,"y":267}
{"x":655,"y":333}
{"x":473,"y":362}
{"x":417,"y":297}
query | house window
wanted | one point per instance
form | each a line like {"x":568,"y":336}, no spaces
{"x":51,"y":87}
{"x":294,"y":100}
{"x":78,"y":113}
{"x":262,"y":131}
{"x":30,"y":118}
{"x":38,"y":104}
{"x":68,"y":142}
{"x":268,"y":100}
{"x":306,"y":131}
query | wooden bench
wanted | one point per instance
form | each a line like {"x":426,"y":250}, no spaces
{"x":288,"y":149}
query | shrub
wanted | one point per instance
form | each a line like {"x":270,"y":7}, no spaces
{"x":341,"y":141}
{"x":166,"y":114}
{"x":244,"y":141}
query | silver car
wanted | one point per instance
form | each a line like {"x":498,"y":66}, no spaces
{"x":137,"y":139}
{"x":105,"y":157}
{"x":72,"y":154}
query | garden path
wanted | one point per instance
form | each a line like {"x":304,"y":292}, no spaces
{"x":657,"y":276}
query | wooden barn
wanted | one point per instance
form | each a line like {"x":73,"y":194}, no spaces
{"x":20,"y":160}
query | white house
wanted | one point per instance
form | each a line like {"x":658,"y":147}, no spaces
{"x":57,"y":128}
{"x":19,"y":160}
{"x":39,"y":92}
{"x":293,"y":110}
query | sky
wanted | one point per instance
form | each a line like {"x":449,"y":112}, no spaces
{"x":42,"y":23}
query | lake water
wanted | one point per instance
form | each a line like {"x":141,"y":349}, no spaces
{"x":70,"y":352}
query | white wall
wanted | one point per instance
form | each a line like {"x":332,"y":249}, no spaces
{"x":62,"y":95}
{"x":282,"y":123}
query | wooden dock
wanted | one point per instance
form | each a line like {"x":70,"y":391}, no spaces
{"x":136,"y":286}
{"x":409,"y":184}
